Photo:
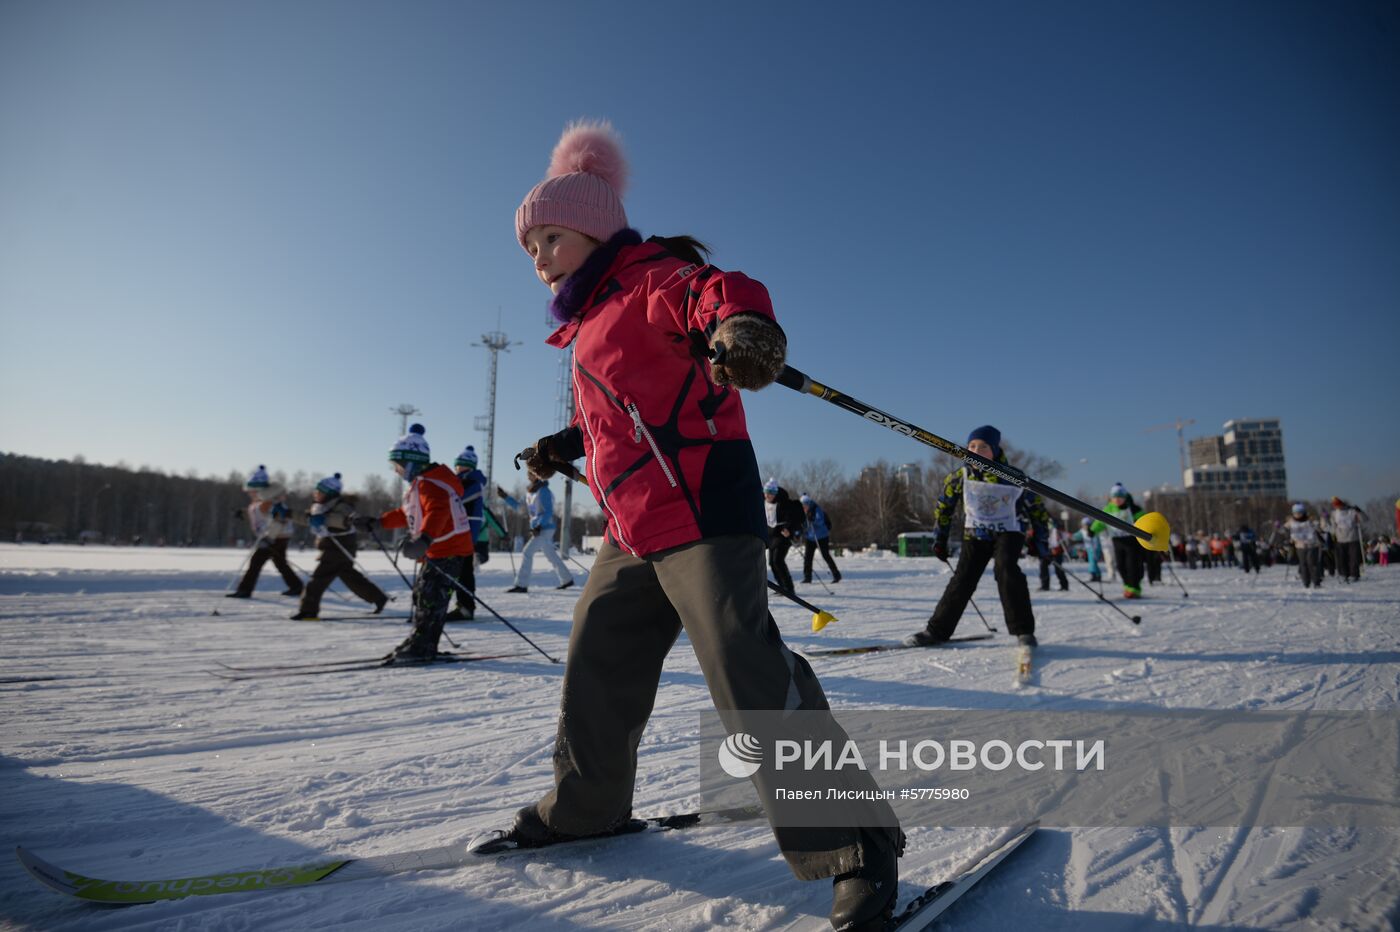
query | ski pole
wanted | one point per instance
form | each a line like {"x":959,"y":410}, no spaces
{"x":1170,"y":569}
{"x":820,"y":619}
{"x":1135,"y":619}
{"x":1151,"y":530}
{"x":498,"y":615}
{"x":394,"y":563}
{"x":239,"y":572}
{"x":973,"y":603}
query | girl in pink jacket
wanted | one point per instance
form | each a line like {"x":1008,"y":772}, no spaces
{"x":666,"y":451}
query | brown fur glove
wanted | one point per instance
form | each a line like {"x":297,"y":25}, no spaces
{"x":755,"y":350}
{"x":540,"y":459}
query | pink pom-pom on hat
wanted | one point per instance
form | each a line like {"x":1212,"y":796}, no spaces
{"x":582,"y":191}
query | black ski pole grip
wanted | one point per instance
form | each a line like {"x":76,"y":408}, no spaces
{"x":793,"y":379}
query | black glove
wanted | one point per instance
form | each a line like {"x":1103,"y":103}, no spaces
{"x":366,"y":523}
{"x":239,"y":513}
{"x":417,"y":548}
{"x":940,"y":548}
{"x":754,"y":351}
{"x":501,"y":493}
{"x":280,"y":510}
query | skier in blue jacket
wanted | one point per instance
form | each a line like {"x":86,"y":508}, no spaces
{"x":539,"y":504}
{"x":817,"y":534}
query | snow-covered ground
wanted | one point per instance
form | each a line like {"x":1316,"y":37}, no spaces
{"x":133,"y":761}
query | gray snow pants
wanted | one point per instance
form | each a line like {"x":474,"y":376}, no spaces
{"x":629,"y":615}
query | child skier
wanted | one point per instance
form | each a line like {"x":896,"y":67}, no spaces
{"x":1093,"y":549}
{"x":785,"y":521}
{"x":331,"y":519}
{"x":539,"y":504}
{"x":817,"y":534}
{"x":668,"y":457}
{"x":1127,"y":555}
{"x":996,"y":519}
{"x":1307,"y":540}
{"x":1346,"y":534}
{"x":270,"y":520}
{"x":1051,"y":554}
{"x":439,"y":536}
{"x":473,"y":490}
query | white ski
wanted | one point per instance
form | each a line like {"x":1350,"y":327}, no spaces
{"x":923,"y":910}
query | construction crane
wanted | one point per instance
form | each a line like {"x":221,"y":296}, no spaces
{"x":1179,"y":424}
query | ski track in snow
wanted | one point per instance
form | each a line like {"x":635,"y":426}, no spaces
{"x":122,"y":757}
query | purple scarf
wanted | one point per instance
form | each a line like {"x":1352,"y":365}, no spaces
{"x":568,"y":303}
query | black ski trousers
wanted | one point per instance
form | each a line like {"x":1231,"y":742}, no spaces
{"x":1002,"y":552}
{"x":809,"y":549}
{"x":1349,"y":559}
{"x":337,"y":564}
{"x":432,"y":594}
{"x":276,"y":551}
{"x":467,"y":578}
{"x":1310,"y":566}
{"x":778,"y":547}
{"x":1045,"y":564}
{"x":1152,"y":561}
{"x":1127,"y":557}
{"x":1249,"y":557}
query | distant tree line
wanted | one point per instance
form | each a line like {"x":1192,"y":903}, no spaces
{"x":72,"y":500}
{"x":77,"y":501}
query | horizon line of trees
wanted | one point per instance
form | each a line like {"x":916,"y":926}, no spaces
{"x":73,"y":500}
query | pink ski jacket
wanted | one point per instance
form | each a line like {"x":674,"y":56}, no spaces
{"x":668,"y":455}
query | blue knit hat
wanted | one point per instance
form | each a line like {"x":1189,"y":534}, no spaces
{"x":770,"y":487}
{"x":467,"y":458}
{"x":990,"y":435}
{"x":330,"y":486}
{"x":258,"y":480}
{"x":1119,"y":490}
{"x":806,"y":500}
{"x":412,"y":447}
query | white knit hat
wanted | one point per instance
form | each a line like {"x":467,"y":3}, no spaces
{"x":412,"y":447}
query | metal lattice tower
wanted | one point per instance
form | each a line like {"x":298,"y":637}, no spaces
{"x":495,"y":342}
{"x":564,"y":415}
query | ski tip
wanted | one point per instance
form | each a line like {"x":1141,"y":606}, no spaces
{"x":44,"y":872}
{"x":821,"y":620}
{"x":1156,"y":526}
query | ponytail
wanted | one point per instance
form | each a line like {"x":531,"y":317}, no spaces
{"x":686,"y":248}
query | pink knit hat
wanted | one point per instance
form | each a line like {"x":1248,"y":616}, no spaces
{"x":584,"y":185}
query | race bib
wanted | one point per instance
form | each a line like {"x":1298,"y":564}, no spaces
{"x":990,"y":506}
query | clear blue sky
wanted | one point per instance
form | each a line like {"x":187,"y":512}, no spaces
{"x":238,"y":233}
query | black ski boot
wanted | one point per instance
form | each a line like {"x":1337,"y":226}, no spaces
{"x":529,"y":830}
{"x":238,"y":595}
{"x":379,"y":605}
{"x":863,"y":899}
{"x":518,"y":589}
{"x":565,"y":585}
{"x":923,"y":638}
{"x":306,"y":616}
{"x":418,"y":647}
